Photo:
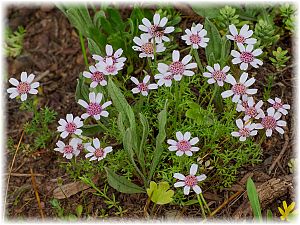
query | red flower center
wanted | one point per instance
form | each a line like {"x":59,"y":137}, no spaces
{"x":277,"y":105}
{"x":99,"y":152}
{"x":269,"y":122}
{"x":244,"y":132}
{"x":239,"y":89}
{"x":68,"y":149}
{"x":97,"y":77}
{"x":239,"y":39}
{"x":251,"y":111}
{"x":23,"y":88}
{"x":142,"y":87}
{"x":246,"y":57}
{"x":177,"y":67}
{"x":195,"y":39}
{"x":184,"y":145}
{"x":147,"y":48}
{"x":71,"y":127}
{"x":190,"y":180}
{"x":94,"y":109}
{"x":219,"y":75}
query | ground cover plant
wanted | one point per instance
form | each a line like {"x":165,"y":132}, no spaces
{"x":170,"y":106}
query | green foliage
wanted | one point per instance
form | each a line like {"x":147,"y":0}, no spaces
{"x":60,"y":212}
{"x":280,"y":58}
{"x":266,"y":33}
{"x":160,"y":194}
{"x":227,"y":17}
{"x":206,"y":11}
{"x":268,"y":87}
{"x":287,"y":12}
{"x":13,"y":44}
{"x":254,"y":199}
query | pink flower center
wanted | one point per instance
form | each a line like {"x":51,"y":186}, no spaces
{"x":244,"y":132}
{"x":80,"y":147}
{"x":142,"y":87}
{"x":97,"y":77}
{"x":169,"y":77}
{"x":68,"y":149}
{"x":184,"y":145}
{"x":147,"y":48}
{"x":99,"y":152}
{"x":71,"y":127}
{"x":246,"y":57}
{"x":277,"y":105}
{"x":110,"y":68}
{"x":177,"y":67}
{"x":239,"y":39}
{"x":219,"y":75}
{"x":269,"y":122}
{"x":239,"y":89}
{"x":23,"y":88}
{"x":251,"y":111}
{"x":195,"y":39}
{"x":190,"y":180}
{"x":155,"y":32}
{"x":94,"y":109}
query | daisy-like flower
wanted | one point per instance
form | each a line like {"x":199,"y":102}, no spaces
{"x":96,"y":152}
{"x":157,"y":30}
{"x":143,"y":87}
{"x":96,"y":76}
{"x":178,"y":68}
{"x":109,"y":67}
{"x":189,"y":181}
{"x":246,"y":56}
{"x":271,"y":122}
{"x":81,"y":146}
{"x":23,"y":87}
{"x":245,"y":130}
{"x":94,"y":108}
{"x":216,"y":74}
{"x":69,"y":150}
{"x":116,"y":57}
{"x":243,"y":36}
{"x":251,"y":109}
{"x":164,"y":78}
{"x":239,"y":89}
{"x":242,"y":104}
{"x":70,"y":126}
{"x":146,"y":47}
{"x":279,"y":106}
{"x":196,"y":36}
{"x":184,"y":145}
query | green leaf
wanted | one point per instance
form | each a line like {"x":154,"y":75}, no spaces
{"x":121,"y":124}
{"x":145,"y":125}
{"x":160,"y":194}
{"x":97,"y":17}
{"x":82,"y":90}
{"x":91,"y":130}
{"x":205,"y":11}
{"x":116,"y":19}
{"x":215,"y":42}
{"x":79,"y":210}
{"x":269,"y":216}
{"x":254,"y":200}
{"x":93,"y":47}
{"x":121,"y":184}
{"x":160,"y":139}
{"x":105,"y":25}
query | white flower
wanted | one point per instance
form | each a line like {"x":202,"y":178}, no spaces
{"x":190,"y":181}
{"x":81,"y":146}
{"x":216,"y":74}
{"x":251,"y":109}
{"x":94,"y":108}
{"x":143,"y":87}
{"x":109,"y":67}
{"x":178,"y":68}
{"x":239,"y":89}
{"x":157,"y":30}
{"x":279,"y":106}
{"x":70,"y":126}
{"x":146,"y":47}
{"x":245,"y":130}
{"x":246,"y":56}
{"x":184,"y":145}
{"x":242,"y":104}
{"x":96,"y":152}
{"x":116,"y":57}
{"x":243,"y":37}
{"x":68,"y":150}
{"x":24,"y":87}
{"x":96,"y":76}
{"x":196,"y":37}
{"x":164,"y":78}
{"x":271,"y":122}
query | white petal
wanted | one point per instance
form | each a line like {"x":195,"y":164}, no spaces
{"x":235,"y":98}
{"x":243,"y":78}
{"x":106,"y":104}
{"x":249,"y":82}
{"x":33,"y":91}
{"x":235,"y":134}
{"x":134,"y":80}
{"x":179,"y":136}
{"x":194,"y":141}
{"x":83,"y":103}
{"x":186,"y":190}
{"x":179,"y":184}
{"x":179,"y":153}
{"x":187,"y":136}
{"x":179,"y":176}
{"x":197,"y":189}
{"x":233,"y":29}
{"x":146,"y":79}
{"x":244,"y":66}
{"x":251,"y":91}
{"x":23,"y":76}
{"x":135,"y":90}
{"x":201,"y":177}
{"x":193,"y":169}
{"x":146,"y":22}
{"x":268,"y":132}
{"x":14,"y":81}
{"x":169,"y":30}
{"x":30,"y":78}
{"x":230,"y":79}
{"x":23,"y":97}
{"x":173,"y":148}
{"x":152,"y":86}
{"x":186,"y":60}
{"x":239,"y":123}
{"x":163,"y":22}
{"x":35,"y":85}
{"x":188,"y":153}
{"x":175,"y":55}
{"x":249,"y":48}
{"x":236,"y":60}
{"x":104,"y":113}
{"x":226,"y":94}
{"x":156,"y":19}
{"x":257,"y":52}
{"x":235,"y":54}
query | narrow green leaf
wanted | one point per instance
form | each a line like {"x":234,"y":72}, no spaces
{"x":82,"y":90}
{"x":215,"y":42}
{"x":91,"y":130}
{"x":269,"y":216}
{"x":141,"y":155}
{"x":121,"y":183}
{"x":121,"y":124}
{"x":93,"y":47}
{"x":116,"y":19}
{"x":206,"y":11}
{"x":254,"y":200}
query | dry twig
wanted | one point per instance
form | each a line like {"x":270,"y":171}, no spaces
{"x":36,"y":193}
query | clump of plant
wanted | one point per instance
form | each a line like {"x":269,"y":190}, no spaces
{"x":13,"y":44}
{"x":287,"y":12}
{"x":280,"y":58}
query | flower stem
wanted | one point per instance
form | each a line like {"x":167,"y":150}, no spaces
{"x":214,"y":93}
{"x":198,"y":60}
{"x":262,"y":139}
{"x":201,"y":206}
{"x":205,"y":204}
{"x":83,"y":49}
{"x":176,"y":102}
{"x":150,"y":65}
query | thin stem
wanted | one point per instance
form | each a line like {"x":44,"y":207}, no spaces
{"x":176,"y":102}
{"x":198,"y":60}
{"x":154,"y":50}
{"x":201,"y":206}
{"x":214,"y":93}
{"x":153,"y":208}
{"x":205,"y":204}
{"x":150,"y":64}
{"x":83,"y":49}
{"x":262,"y":139}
